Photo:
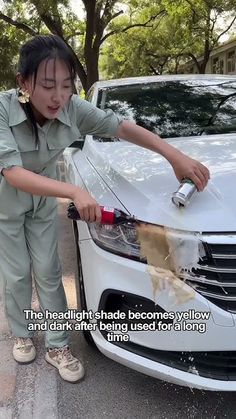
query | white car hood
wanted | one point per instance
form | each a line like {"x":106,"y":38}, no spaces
{"x":144,"y":181}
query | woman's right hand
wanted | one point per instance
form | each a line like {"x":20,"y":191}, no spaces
{"x":89,"y":209}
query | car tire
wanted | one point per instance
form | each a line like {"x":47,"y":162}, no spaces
{"x":79,"y":285}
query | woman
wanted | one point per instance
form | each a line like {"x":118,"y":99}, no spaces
{"x":36,"y":123}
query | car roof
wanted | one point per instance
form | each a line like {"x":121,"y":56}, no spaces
{"x":166,"y":77}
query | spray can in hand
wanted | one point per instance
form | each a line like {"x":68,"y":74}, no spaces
{"x":110,"y":215}
{"x":182,"y":196}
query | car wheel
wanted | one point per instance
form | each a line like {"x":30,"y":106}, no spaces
{"x":79,"y":284}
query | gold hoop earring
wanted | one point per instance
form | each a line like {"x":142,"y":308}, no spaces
{"x":23,"y":96}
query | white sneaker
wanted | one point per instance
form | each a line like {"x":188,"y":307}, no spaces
{"x":23,"y":350}
{"x":69,"y":367}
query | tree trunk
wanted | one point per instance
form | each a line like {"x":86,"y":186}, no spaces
{"x":92,"y":68}
{"x":207,"y":50}
{"x":79,"y":68}
{"x":91,"y":59}
{"x":202,"y":66}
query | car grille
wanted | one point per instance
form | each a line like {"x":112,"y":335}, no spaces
{"x":215,"y":275}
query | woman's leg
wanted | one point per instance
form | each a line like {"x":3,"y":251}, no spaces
{"x":42,"y":240}
{"x":15,"y":273}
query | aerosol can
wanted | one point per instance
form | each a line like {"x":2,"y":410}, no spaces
{"x":182,"y":196}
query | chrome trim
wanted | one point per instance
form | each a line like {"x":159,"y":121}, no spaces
{"x":207,"y":281}
{"x":227,"y":239}
{"x":220,"y":256}
{"x":216,"y":269}
{"x":216,"y":296}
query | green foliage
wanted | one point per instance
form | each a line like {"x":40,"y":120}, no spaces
{"x":141,"y":37}
{"x":187,"y":29}
{"x":144,"y":50}
{"x":9,"y":45}
{"x":30,"y":13}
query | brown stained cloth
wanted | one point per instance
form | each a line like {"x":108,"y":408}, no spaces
{"x":156,"y":248}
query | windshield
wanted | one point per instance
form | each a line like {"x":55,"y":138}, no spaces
{"x":177,"y":108}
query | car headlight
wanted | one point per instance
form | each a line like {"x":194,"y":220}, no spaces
{"x":120,"y":239}
{"x":184,"y":248}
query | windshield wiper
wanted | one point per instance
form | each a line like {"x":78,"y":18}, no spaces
{"x":212,"y":117}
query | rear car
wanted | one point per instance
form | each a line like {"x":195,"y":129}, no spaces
{"x":196,"y":114}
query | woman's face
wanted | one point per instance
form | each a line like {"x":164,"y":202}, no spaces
{"x":52,"y":90}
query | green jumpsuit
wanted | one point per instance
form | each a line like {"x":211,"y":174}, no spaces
{"x":28,"y":223}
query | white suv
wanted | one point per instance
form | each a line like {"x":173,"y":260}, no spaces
{"x":196,"y":114}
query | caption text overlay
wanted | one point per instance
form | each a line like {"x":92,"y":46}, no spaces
{"x":118,"y":324}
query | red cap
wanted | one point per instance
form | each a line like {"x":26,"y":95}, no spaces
{"x":108,"y":215}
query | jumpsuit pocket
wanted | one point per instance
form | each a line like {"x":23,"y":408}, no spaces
{"x":25,"y":140}
{"x":65,"y":138}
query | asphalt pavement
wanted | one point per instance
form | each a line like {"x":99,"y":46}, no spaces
{"x":109,"y":390}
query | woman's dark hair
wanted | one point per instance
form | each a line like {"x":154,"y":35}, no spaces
{"x":32,"y":53}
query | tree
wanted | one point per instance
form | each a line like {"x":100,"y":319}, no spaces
{"x":9,"y":46}
{"x":187,"y":30}
{"x":202,"y":27}
{"x":54,"y":16}
{"x":145,"y":51}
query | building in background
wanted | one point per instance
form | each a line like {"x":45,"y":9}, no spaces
{"x":222,"y":60}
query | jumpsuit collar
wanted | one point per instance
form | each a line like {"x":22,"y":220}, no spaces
{"x":64,"y":116}
{"x":17,"y":114}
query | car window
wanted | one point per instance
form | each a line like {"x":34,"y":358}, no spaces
{"x":176,"y":108}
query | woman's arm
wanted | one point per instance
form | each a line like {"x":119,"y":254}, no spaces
{"x":34,"y":184}
{"x":183,"y":166}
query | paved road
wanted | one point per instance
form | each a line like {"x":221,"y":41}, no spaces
{"x":109,"y":390}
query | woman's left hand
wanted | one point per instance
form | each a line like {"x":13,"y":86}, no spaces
{"x":186,"y":167}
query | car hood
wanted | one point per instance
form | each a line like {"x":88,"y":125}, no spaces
{"x":143,"y":181}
